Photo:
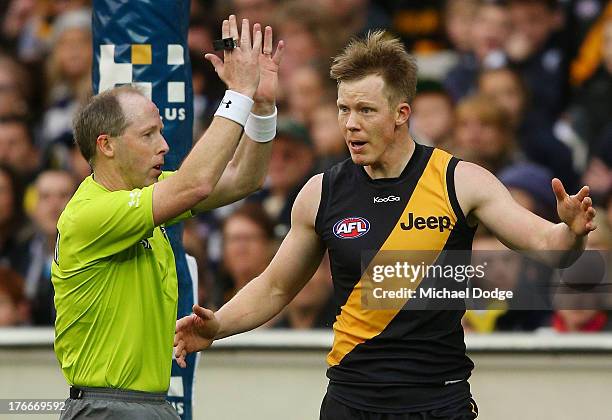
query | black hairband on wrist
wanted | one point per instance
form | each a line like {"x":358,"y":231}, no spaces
{"x":226,"y":44}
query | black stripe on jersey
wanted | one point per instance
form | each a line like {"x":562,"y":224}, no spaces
{"x":452,"y":194}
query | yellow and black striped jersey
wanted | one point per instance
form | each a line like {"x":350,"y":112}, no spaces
{"x":393,"y":360}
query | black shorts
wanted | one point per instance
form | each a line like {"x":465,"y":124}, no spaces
{"x":332,"y":409}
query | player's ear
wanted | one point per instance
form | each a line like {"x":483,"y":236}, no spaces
{"x":402,"y":113}
{"x":105,"y":145}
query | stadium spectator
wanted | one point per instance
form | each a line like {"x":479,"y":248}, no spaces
{"x":483,"y":134}
{"x":509,"y":271}
{"x":14,"y":87}
{"x":16,"y":148}
{"x":355,"y":17}
{"x":534,"y":48}
{"x":602,"y":237}
{"x":195,"y":245}
{"x":488,"y":33}
{"x":458,"y":19}
{"x":53,"y":191}
{"x":588,"y":56}
{"x":313,"y":306}
{"x":207,"y":88}
{"x":31,"y":26}
{"x":291,"y":164}
{"x":13,"y":304}
{"x":432,"y":116}
{"x":15,"y":14}
{"x":581,"y":320}
{"x":580,"y":18}
{"x":248,"y":246}
{"x":581,"y":306}
{"x":536,"y":139}
{"x":257,"y":11}
{"x":502,"y":271}
{"x":591,"y":107}
{"x":329,"y":144}
{"x":68,"y":74}
{"x":309,"y":35}
{"x":599,"y":170}
{"x":306,"y":89}
{"x":12,"y":219}
{"x":580,"y":311}
{"x":529,"y":185}
{"x":207,"y":94}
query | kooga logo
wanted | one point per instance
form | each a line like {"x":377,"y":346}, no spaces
{"x":351,"y":227}
{"x":431,"y":222}
{"x":386,"y":199}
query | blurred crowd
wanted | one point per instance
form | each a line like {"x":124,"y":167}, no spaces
{"x":521,"y":87}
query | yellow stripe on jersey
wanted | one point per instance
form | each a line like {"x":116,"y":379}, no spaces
{"x":355,"y":325}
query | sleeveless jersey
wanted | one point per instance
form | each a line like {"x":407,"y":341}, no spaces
{"x":393,"y":361}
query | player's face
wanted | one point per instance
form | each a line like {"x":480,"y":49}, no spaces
{"x":142,"y":147}
{"x":366,"y":120}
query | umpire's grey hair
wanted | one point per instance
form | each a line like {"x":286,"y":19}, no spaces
{"x":102,"y":114}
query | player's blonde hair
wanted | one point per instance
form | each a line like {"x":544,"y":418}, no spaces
{"x":379,"y":53}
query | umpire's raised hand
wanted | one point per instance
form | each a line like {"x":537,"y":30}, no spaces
{"x":239,"y":68}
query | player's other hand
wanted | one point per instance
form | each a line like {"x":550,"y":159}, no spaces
{"x":269,"y":63}
{"x":239,"y":68}
{"x":577,"y":210}
{"x":194,"y":332}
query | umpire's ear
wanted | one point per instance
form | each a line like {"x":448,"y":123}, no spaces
{"x":402,"y":113}
{"x":105,"y":145}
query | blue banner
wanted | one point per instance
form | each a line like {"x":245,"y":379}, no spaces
{"x":144,"y":43}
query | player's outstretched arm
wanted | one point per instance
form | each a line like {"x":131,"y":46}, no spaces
{"x":483,"y":197}
{"x":247,"y":170}
{"x":265,"y":296}
{"x":201,"y":170}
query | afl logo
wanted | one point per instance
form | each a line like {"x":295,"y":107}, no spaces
{"x":351,"y":227}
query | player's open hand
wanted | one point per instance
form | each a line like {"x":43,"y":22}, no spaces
{"x":269,"y":63}
{"x":194,"y":332}
{"x":239,"y":68}
{"x":576,"y":211}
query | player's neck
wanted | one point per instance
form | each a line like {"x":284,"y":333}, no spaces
{"x":394,"y":159}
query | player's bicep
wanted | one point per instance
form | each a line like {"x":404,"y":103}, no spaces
{"x":484,"y":197}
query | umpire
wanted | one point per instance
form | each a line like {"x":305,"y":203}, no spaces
{"x":114,"y":271}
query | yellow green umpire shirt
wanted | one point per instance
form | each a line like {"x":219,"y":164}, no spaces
{"x":115,"y":290}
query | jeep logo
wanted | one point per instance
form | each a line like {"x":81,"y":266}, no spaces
{"x":431,"y":222}
{"x":386,"y":199}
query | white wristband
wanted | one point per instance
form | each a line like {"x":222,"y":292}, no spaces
{"x":235,"y":106}
{"x":261,"y":129}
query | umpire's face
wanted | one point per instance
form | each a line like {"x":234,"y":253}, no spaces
{"x":140,"y":150}
{"x":367,"y":121}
